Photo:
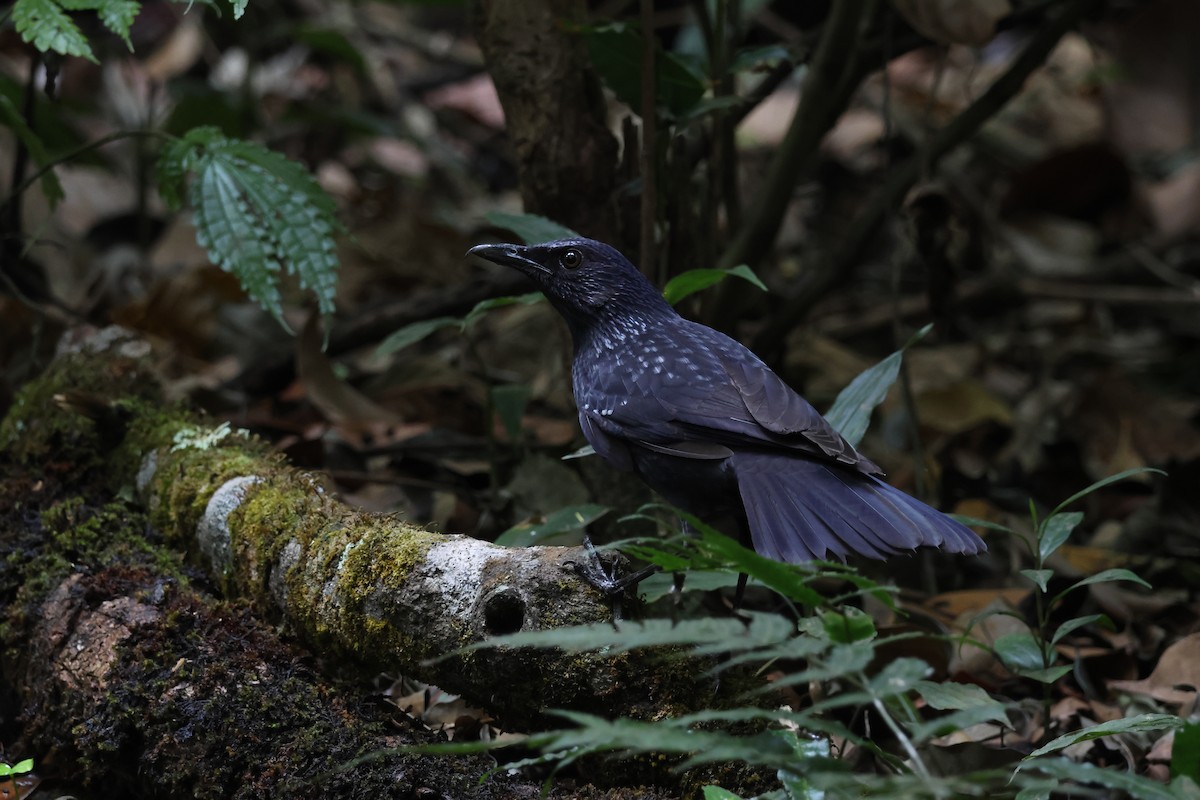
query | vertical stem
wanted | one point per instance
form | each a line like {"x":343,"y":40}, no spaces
{"x":649,"y":113}
{"x":10,"y":229}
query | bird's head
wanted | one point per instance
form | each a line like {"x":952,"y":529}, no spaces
{"x":587,"y":281}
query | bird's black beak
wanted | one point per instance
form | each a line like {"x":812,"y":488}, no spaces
{"x":510,"y":255}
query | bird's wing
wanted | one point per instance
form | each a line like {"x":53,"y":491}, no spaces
{"x":708,"y":393}
{"x":751,"y":404}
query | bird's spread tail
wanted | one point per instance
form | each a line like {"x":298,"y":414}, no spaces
{"x":800,"y":510}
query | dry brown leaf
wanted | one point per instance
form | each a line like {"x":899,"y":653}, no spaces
{"x":960,"y":408}
{"x":1175,"y":679}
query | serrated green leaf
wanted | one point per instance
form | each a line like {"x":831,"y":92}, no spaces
{"x":1039,"y":576}
{"x":44,"y":24}
{"x":695,"y":280}
{"x":531,"y":228}
{"x":662,"y":584}
{"x":1055,"y":531}
{"x":1076,"y":623}
{"x":235,"y":245}
{"x":1142,"y":723}
{"x":851,"y":411}
{"x":256,"y":213}
{"x":544,"y":530}
{"x":116,"y":15}
{"x":706,"y":635}
{"x":841,"y":660}
{"x":13,"y":118}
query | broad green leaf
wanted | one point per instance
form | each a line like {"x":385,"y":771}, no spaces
{"x":695,"y":280}
{"x":899,"y":676}
{"x":717,"y":793}
{"x":616,"y":53}
{"x":1078,"y":622}
{"x":509,"y":403}
{"x":1106,"y":576}
{"x":25,"y":765}
{"x":957,"y":721}
{"x":1039,"y":576}
{"x":414,"y":332}
{"x":953,"y":696}
{"x":1120,"y":476}
{"x":484,"y":306}
{"x":10,"y":116}
{"x":1112,"y":778}
{"x":532,"y":228}
{"x":46,"y":26}
{"x":975,"y":522}
{"x":851,"y":411}
{"x":848,"y":626}
{"x":1142,"y":723}
{"x":1185,"y":752}
{"x":562,"y":522}
{"x":1055,"y":530}
{"x":1020,"y":652}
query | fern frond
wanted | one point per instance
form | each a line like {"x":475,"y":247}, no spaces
{"x":46,"y":26}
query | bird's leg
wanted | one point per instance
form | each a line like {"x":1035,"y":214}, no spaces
{"x":595,"y":573}
{"x":740,"y":591}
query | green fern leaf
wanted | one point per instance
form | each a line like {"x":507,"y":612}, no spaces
{"x":117,"y":15}
{"x":226,"y":228}
{"x":256,"y":213}
{"x":45,"y":25}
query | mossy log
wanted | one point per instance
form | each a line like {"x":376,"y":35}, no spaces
{"x":354,"y":585}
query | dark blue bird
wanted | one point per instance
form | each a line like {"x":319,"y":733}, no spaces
{"x":708,"y":425}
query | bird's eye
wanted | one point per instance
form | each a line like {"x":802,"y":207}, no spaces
{"x":571,"y":259}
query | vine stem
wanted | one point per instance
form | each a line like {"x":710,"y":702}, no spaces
{"x":79,"y":151}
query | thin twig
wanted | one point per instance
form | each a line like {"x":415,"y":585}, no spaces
{"x":961,"y":128}
{"x":824,"y":98}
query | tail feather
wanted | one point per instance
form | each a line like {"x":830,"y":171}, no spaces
{"x":801,"y":509}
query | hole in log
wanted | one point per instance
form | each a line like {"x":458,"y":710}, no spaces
{"x":504,"y":612}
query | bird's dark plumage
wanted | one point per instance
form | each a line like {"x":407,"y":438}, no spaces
{"x":709,"y":426}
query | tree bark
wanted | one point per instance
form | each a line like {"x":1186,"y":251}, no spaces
{"x":554,"y":108}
